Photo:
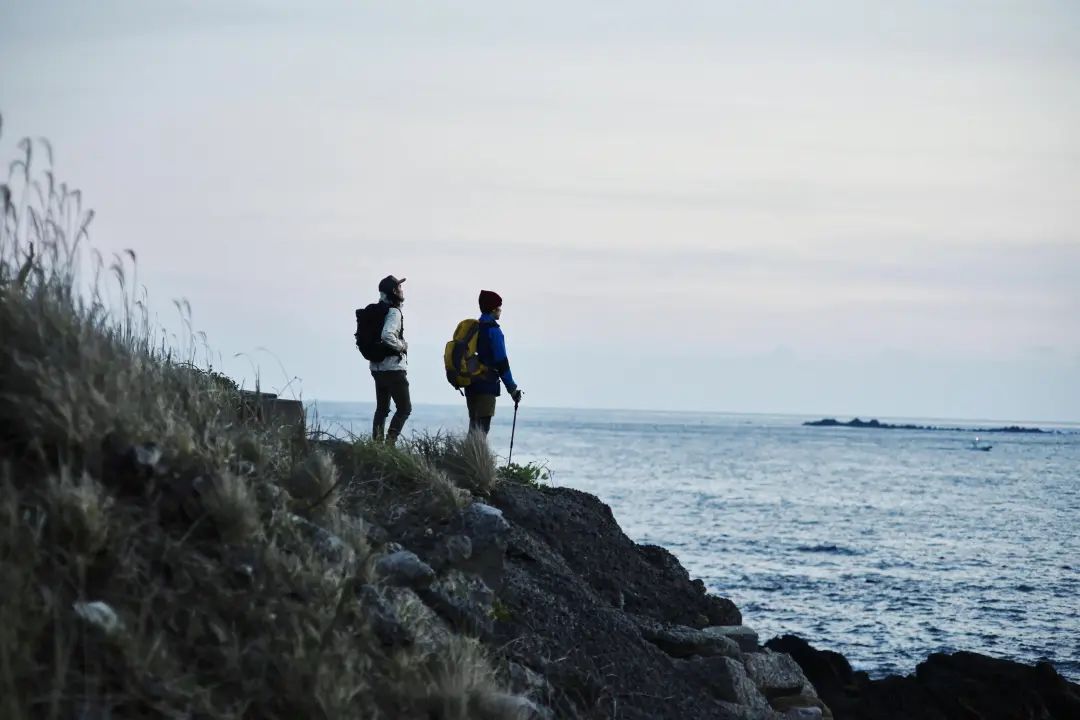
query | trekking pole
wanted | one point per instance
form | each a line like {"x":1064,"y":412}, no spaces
{"x":513,"y":429}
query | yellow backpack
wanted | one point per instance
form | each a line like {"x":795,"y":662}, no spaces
{"x":462,"y":363}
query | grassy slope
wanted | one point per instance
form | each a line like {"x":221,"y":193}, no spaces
{"x":153,"y":556}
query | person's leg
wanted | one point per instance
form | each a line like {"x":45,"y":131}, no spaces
{"x":470,"y":403}
{"x":382,"y":406}
{"x":399,"y":390}
{"x":481,"y":409}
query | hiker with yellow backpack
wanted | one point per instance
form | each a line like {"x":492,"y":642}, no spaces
{"x":476,"y":361}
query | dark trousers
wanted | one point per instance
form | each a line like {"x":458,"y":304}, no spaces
{"x":483,"y":424}
{"x":481,"y":410}
{"x":390,"y":385}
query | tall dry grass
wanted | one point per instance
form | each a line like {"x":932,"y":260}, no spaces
{"x":161,"y":553}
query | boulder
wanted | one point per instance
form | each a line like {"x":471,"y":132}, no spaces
{"x":996,"y":689}
{"x":404,"y":569}
{"x":100,"y":615}
{"x":829,"y":672}
{"x":458,"y":549}
{"x":646,"y":580}
{"x":488,"y":532}
{"x":746,"y":637}
{"x":776,"y":674}
{"x":463,"y":601}
{"x":734,"y":685}
{"x":528,"y":682}
{"x":680,"y":641}
{"x":511,"y":707}
{"x":326,"y":544}
{"x":801,"y":707}
{"x":383,"y":621}
{"x":962,"y":684}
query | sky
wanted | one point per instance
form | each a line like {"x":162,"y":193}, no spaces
{"x":846,"y":207}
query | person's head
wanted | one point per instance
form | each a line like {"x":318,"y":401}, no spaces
{"x":392,"y":288}
{"x":491,"y":303}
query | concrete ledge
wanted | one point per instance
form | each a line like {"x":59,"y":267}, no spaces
{"x":272,"y":410}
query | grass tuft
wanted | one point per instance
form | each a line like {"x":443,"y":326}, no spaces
{"x":231,"y":503}
{"x":467,"y":459}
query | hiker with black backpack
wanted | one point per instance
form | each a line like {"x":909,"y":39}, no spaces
{"x":481,"y":392}
{"x":380,"y":337}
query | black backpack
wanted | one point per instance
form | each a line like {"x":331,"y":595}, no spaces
{"x":369,"y":327}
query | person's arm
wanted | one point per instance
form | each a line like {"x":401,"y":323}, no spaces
{"x":391,"y":331}
{"x":502,"y":362}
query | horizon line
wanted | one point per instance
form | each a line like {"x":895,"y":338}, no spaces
{"x":863,"y":416}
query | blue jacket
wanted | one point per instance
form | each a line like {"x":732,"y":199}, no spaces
{"x":491,"y":347}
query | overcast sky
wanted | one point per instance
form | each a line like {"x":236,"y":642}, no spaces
{"x":833,"y":208}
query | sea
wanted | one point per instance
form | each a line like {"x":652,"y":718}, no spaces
{"x":883,"y":545}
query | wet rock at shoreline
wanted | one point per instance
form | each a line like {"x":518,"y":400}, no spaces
{"x":958,"y":685}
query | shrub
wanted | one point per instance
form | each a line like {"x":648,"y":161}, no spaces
{"x":532,"y":474}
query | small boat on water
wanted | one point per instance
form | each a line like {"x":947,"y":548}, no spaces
{"x":975,"y":445}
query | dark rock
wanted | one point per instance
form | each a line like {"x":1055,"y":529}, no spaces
{"x":680,"y":641}
{"x":131,"y":467}
{"x":383,"y":621}
{"x":487,"y":531}
{"x":515,"y":707}
{"x":458,"y":549}
{"x":566,"y":564}
{"x":775,"y":674}
{"x":457,"y":614}
{"x":376,"y":534}
{"x":528,"y":682}
{"x":146,"y":457}
{"x":329,"y":546}
{"x":179,"y":498}
{"x":829,"y":672}
{"x":960,"y":685}
{"x":964,"y":682}
{"x":725,"y":678}
{"x":801,"y":707}
{"x":464,"y":601}
{"x":642,"y":579}
{"x":404,"y":569}
{"x":734,"y":685}
{"x":99,"y":615}
{"x":745,"y":637}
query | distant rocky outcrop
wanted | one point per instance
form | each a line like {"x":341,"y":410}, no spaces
{"x":877,"y":425}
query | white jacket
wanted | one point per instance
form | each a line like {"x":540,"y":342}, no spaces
{"x":393,"y":336}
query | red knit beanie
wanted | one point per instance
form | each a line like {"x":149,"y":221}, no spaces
{"x":489,"y":301}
